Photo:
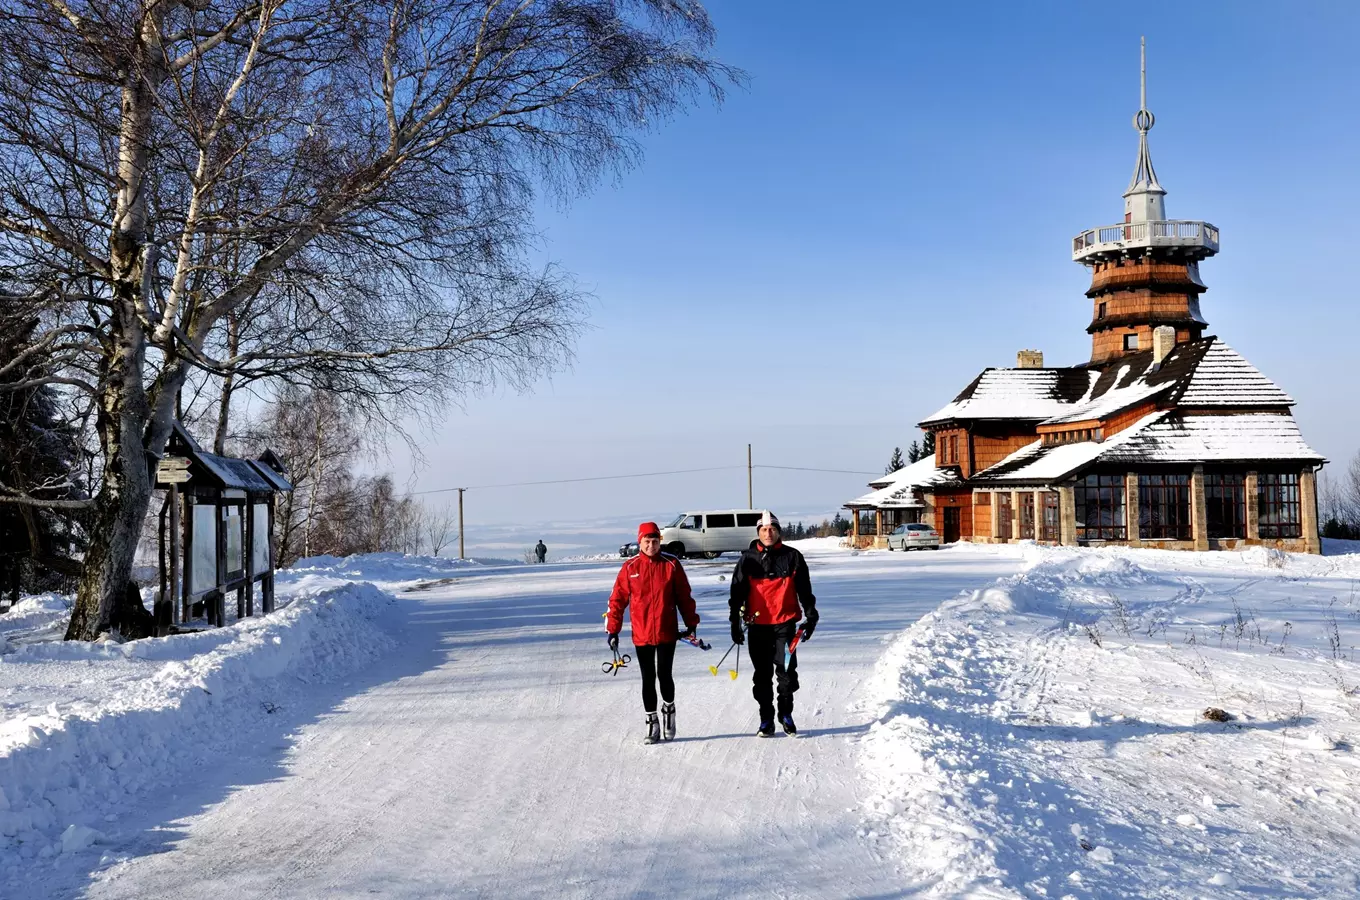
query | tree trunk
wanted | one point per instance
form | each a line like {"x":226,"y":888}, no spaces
{"x":228,"y":386}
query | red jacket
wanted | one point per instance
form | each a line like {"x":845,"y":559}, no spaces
{"x":655,"y":589}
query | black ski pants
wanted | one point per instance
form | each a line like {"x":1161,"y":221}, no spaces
{"x":767,"y":644}
{"x":656,"y":664}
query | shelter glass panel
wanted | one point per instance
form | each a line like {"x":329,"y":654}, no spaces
{"x":203,"y":549}
{"x":1225,"y":501}
{"x":1277,"y":496}
{"x":259,"y":551}
{"x":231,"y":523}
{"x":1100,"y":508}
{"x":1164,"y":507}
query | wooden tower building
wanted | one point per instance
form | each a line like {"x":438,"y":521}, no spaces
{"x":1166,"y":437}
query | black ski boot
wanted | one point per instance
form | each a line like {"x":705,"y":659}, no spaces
{"x":668,"y":721}
{"x":766,"y":729}
{"x":787,"y":721}
{"x":654,"y":730}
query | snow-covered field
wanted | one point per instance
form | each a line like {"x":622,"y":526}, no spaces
{"x":977,"y":722}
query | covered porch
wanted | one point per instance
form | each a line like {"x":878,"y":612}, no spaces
{"x":871,"y":525}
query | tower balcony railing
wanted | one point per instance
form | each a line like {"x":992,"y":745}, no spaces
{"x":1199,"y":238}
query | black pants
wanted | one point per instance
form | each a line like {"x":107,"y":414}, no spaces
{"x":656,"y":662}
{"x":767,"y":644}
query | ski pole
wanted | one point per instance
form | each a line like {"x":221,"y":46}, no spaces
{"x":714,"y":669}
{"x":620,"y":660}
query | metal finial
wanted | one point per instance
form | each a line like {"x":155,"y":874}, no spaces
{"x":1142,"y":104}
{"x":1144,"y":176}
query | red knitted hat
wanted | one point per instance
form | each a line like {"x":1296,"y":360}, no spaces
{"x":647,"y":528}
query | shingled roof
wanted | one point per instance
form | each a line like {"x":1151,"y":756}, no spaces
{"x":1202,"y":373}
{"x":1030,"y":394}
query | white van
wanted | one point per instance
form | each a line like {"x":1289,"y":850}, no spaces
{"x":710,"y":532}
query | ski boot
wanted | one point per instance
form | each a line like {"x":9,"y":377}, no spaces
{"x":654,"y":729}
{"x":668,"y":721}
{"x":787,"y":721}
{"x":766,"y":729}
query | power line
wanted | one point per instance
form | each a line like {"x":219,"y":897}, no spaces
{"x":482,"y":487}
{"x":805,"y":469}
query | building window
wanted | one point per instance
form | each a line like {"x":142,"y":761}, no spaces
{"x":1225,"y":502}
{"x":1164,"y":507}
{"x":954,"y":449}
{"x":1100,"y":508}
{"x":1277,"y":498}
{"x":1027,"y":516}
{"x":1100,"y":313}
{"x":1048,"y":523}
{"x":1003,"y":512}
{"x":868,"y":522}
{"x":1130,"y":342}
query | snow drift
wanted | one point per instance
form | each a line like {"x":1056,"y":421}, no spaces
{"x":148,"y":710}
{"x":1046,"y":735}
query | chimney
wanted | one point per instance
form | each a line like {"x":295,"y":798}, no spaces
{"x":1163,"y":341}
{"x":1031,"y":359}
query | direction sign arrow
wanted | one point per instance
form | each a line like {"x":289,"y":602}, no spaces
{"x":172,"y":476}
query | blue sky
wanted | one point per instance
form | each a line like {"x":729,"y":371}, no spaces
{"x":887,"y":209}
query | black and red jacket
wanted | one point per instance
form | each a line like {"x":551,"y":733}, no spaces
{"x":771,"y":586}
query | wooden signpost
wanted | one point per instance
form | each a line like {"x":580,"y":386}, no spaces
{"x":172,"y":471}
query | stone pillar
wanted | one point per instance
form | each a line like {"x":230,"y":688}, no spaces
{"x":1199,"y":510}
{"x":1312,"y":541}
{"x":1067,"y":516}
{"x":1253,"y":511}
{"x":996,"y":516}
{"x":1131,"y":507}
{"x":1039,"y":515}
{"x":1015,"y":515}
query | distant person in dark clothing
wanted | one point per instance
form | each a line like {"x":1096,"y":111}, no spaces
{"x":771,"y":589}
{"x":541,"y":550}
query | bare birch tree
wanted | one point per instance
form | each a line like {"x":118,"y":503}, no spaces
{"x":353,"y":178}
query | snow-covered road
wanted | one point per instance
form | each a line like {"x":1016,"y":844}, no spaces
{"x":489,"y":756}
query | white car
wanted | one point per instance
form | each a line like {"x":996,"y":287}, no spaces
{"x":710,"y":532}
{"x":914,"y":536}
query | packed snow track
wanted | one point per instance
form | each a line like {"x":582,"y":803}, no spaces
{"x":489,"y":757}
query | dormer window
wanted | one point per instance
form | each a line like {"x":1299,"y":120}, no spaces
{"x":1131,"y":342}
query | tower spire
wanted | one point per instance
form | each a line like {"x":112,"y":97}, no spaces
{"x":1143,"y":200}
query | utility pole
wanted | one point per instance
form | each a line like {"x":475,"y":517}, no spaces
{"x":749,"y":503}
{"x":461,"y":547}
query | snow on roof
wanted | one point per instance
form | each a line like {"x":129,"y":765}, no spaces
{"x":1223,"y":377}
{"x":1243,"y":437}
{"x":897,"y":489}
{"x":1111,"y":402}
{"x":1037,"y":463}
{"x":1018,"y":394}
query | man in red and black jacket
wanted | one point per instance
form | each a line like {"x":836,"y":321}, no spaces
{"x":653,"y":586}
{"x":771,"y":589}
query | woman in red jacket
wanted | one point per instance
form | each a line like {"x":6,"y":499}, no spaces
{"x":654,"y":585}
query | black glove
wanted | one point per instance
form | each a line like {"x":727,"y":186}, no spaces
{"x":737,"y":636}
{"x":810,"y":625}
{"x":614,"y":642}
{"x":686,"y":634}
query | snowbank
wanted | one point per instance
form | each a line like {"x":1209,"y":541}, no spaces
{"x":140,"y":714}
{"x":1046,"y":734}
{"x":389,"y":571}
